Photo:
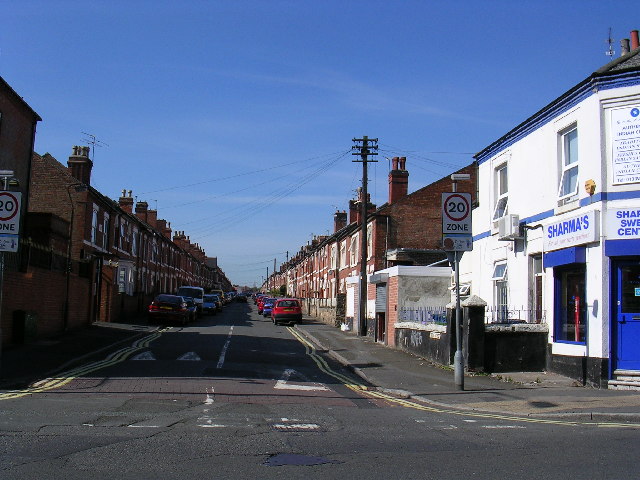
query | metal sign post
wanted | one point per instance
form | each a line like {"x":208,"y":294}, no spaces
{"x":456,"y":239}
{"x":10,"y":205}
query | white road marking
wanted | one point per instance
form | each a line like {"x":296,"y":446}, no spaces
{"x":224,"y":349}
{"x":144,"y":356}
{"x":209,"y":399}
{"x":192,"y":356}
{"x":283,"y":384}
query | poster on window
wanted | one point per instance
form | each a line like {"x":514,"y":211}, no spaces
{"x":625,"y":144}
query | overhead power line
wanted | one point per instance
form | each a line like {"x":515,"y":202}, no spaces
{"x":252,"y":172}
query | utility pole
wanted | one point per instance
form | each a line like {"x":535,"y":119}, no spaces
{"x":364,"y":147}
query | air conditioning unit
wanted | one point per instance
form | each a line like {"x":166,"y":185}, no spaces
{"x":509,"y":227}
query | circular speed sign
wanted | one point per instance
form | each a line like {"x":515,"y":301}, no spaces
{"x":456,"y":213}
{"x":456,"y":207}
{"x":9,"y":206}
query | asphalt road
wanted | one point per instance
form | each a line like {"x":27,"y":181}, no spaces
{"x":234,"y":396}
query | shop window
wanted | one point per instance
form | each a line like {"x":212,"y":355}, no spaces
{"x":570,"y":304}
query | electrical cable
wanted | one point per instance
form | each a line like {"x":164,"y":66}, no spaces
{"x":176,"y":187}
{"x":258,"y":206}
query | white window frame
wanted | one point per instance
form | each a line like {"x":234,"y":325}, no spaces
{"x":565,"y":167}
{"x":94,"y":226}
{"x":343,"y":254}
{"x":369,"y":241}
{"x":354,"y":249}
{"x":334,"y":256}
{"x":134,"y":242}
{"x":501,"y":290}
{"x":501,"y":204}
{"x":105,"y":231}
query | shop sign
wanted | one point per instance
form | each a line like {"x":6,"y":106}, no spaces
{"x":625,"y":144}
{"x":572,"y":231}
{"x":623,"y":223}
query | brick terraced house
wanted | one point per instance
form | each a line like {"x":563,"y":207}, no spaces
{"x":404,"y":232}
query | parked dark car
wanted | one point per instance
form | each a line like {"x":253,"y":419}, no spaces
{"x":169,"y":308}
{"x":286,"y":310}
{"x":193,"y":308}
{"x":210,"y":304}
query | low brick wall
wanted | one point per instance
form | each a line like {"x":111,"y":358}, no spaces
{"x":328,"y":310}
{"x":507,"y":348}
{"x":427,"y":341}
{"x":515,"y":348}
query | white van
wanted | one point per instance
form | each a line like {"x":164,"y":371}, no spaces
{"x":197,"y":293}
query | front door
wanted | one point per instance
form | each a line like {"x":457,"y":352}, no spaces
{"x":627,"y":315}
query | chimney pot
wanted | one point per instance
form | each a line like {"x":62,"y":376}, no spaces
{"x":80,"y":165}
{"x":635,"y":43}
{"x":624,"y":46}
{"x":398,"y":181}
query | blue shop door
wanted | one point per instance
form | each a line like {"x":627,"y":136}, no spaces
{"x":628,"y":315}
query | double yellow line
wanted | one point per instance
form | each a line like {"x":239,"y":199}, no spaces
{"x":70,"y":375}
{"x":362,"y":389}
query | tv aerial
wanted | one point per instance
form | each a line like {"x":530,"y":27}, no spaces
{"x":94,"y":142}
{"x":610,"y":52}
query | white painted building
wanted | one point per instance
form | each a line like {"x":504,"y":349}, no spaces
{"x":557,"y":226}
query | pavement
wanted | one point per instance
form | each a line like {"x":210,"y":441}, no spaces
{"x":386,"y":369}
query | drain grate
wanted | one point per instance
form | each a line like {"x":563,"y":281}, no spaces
{"x":282,"y":459}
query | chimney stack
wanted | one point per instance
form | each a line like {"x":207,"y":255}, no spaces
{"x":126,"y":202}
{"x":624,"y":47}
{"x":398,"y":179}
{"x":80,"y":164}
{"x":142,"y":211}
{"x":152,"y":218}
{"x":635,"y":42}
{"x":339,"y":220}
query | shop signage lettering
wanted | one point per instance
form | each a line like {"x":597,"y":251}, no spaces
{"x":572,"y":231}
{"x":623,"y":223}
{"x":625,"y":145}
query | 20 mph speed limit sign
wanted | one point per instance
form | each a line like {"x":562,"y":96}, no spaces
{"x":9,"y":221}
{"x":456,"y":213}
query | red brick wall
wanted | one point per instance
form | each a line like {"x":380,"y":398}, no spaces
{"x":43,"y":293}
{"x":392,"y":310}
{"x":416,"y":220}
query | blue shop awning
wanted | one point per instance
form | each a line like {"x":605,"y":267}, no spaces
{"x":565,"y":256}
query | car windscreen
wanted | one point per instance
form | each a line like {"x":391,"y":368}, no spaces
{"x":190,"y":292}
{"x":287,"y":303}
{"x":210,"y":298}
{"x":168,"y":299}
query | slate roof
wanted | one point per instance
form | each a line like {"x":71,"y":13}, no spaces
{"x":627,"y":62}
{"x":625,"y":68}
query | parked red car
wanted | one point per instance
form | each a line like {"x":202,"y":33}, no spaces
{"x":260,"y":303}
{"x":170,"y":308}
{"x":286,"y":310}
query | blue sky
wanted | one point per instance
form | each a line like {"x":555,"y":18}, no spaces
{"x":235,"y":118}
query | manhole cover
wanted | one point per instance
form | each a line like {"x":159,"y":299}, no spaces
{"x":293,"y":459}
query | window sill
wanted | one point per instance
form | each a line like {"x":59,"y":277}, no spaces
{"x":567,"y":207}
